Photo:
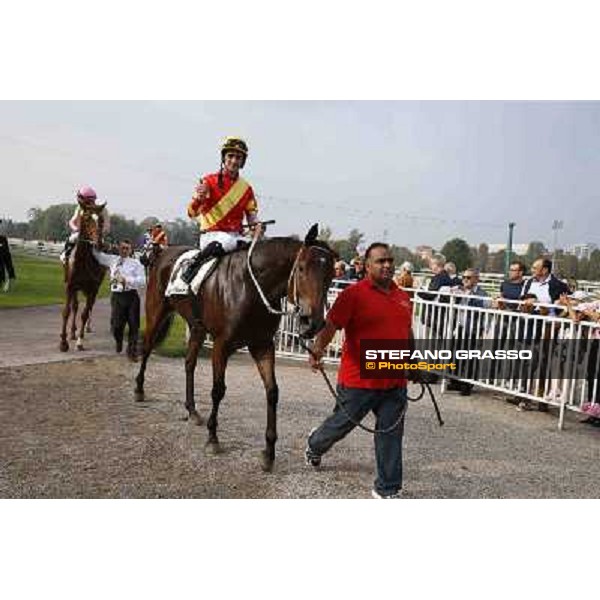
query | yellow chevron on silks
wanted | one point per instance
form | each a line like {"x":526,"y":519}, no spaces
{"x":229,"y":201}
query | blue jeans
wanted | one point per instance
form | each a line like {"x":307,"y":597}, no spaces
{"x":387,"y":405}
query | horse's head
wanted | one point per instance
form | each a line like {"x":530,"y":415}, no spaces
{"x":92,"y":221}
{"x":309,"y":281}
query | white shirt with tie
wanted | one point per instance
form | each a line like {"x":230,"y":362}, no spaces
{"x":129,"y":268}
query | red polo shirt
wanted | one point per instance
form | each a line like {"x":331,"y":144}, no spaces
{"x":365,"y":311}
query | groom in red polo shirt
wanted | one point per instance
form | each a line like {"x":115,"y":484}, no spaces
{"x":374,"y":308}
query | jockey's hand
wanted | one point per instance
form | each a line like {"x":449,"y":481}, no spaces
{"x":257,"y":230}
{"x":201,"y":191}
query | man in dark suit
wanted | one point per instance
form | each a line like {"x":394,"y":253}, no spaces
{"x":7,"y":271}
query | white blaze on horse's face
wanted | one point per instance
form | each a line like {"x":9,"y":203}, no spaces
{"x":309,"y":281}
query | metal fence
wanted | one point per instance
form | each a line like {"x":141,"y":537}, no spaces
{"x":564,"y":370}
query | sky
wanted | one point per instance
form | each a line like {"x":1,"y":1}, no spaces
{"x":406,"y":172}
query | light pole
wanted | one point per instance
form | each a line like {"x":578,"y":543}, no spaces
{"x":556,"y":227}
{"x":508,"y":253}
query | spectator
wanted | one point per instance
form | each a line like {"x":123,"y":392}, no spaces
{"x":450,"y":268}
{"x":470,"y":325}
{"x":357,"y":269}
{"x":126,"y":278}
{"x":546,"y":287}
{"x":589,"y":311}
{"x":340,"y":270}
{"x":435,"y":318}
{"x":353,"y":311}
{"x":512,"y":288}
{"x":404,"y":279}
{"x":159,"y":236}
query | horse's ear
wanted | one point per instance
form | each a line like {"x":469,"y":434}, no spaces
{"x":312,"y":234}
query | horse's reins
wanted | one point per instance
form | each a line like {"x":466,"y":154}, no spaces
{"x":294,"y":305}
{"x":424,"y":386}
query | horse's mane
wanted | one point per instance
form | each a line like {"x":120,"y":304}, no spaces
{"x":284,"y":240}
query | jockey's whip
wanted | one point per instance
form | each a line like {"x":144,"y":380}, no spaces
{"x":424,"y":386}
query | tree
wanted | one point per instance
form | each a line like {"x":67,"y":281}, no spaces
{"x":458,"y":252}
{"x":355,"y":237}
{"x":569,"y":263}
{"x":122,"y":228}
{"x":534,"y":250}
{"x":496,"y":261}
{"x":182,"y":232}
{"x":594,"y":266}
{"x":483,"y":253}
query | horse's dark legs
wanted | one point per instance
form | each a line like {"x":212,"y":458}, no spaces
{"x":194,"y":344}
{"x":64,"y":345}
{"x":264,"y":356}
{"x":151,"y":334}
{"x":85,"y":315}
{"x":220,"y":356}
{"x":74,"y":309}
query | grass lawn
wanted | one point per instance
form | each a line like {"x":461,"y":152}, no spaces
{"x":39,"y":281}
{"x":175,"y":344}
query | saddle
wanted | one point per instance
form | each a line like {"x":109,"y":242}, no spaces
{"x":177,"y":286}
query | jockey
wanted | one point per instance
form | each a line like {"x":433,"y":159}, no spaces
{"x":159,"y":235}
{"x":219,"y":204}
{"x":87,"y":196}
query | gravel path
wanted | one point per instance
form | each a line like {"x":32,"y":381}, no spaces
{"x":72,"y":429}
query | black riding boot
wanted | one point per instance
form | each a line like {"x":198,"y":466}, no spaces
{"x":68,"y":249}
{"x":212,"y":250}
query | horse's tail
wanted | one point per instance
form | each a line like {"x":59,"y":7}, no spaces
{"x":163,"y":329}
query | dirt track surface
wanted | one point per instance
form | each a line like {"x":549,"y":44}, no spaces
{"x":72,"y":429}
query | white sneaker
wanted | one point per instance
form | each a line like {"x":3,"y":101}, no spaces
{"x":378,"y":496}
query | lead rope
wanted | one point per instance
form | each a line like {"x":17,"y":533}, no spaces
{"x":424,"y":386}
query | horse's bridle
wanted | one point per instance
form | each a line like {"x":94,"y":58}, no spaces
{"x":293,"y":305}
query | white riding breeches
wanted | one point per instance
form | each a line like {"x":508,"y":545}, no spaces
{"x":74,"y":237}
{"x":227,"y":239}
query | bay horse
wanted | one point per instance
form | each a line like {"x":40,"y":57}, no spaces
{"x":230,"y":308}
{"x":83,"y":273}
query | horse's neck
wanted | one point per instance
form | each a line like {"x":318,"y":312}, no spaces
{"x":274,"y":263}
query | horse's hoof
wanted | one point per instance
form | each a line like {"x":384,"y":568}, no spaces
{"x":194,"y":419}
{"x":139,"y":395}
{"x":213,"y":448}
{"x":80,"y":347}
{"x":64,"y":346}
{"x":266,"y":462}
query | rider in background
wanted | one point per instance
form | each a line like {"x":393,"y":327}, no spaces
{"x":87,"y":196}
{"x":219,"y":204}
{"x":159,"y":235}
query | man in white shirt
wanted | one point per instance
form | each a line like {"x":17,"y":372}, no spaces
{"x":127,"y":276}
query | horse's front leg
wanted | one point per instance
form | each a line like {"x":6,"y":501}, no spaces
{"x":220,"y":356}
{"x":191,"y":360}
{"x":64,"y":344}
{"x":264,"y":357}
{"x":85,"y":315}
{"x":74,"y":309}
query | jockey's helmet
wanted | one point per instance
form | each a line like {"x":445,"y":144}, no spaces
{"x":235,"y":144}
{"x":86,"y":193}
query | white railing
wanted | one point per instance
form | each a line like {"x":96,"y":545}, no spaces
{"x":564,"y":371}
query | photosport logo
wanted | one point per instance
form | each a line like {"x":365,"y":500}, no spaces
{"x":385,"y":359}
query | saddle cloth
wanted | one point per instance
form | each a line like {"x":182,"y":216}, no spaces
{"x":176,"y":286}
